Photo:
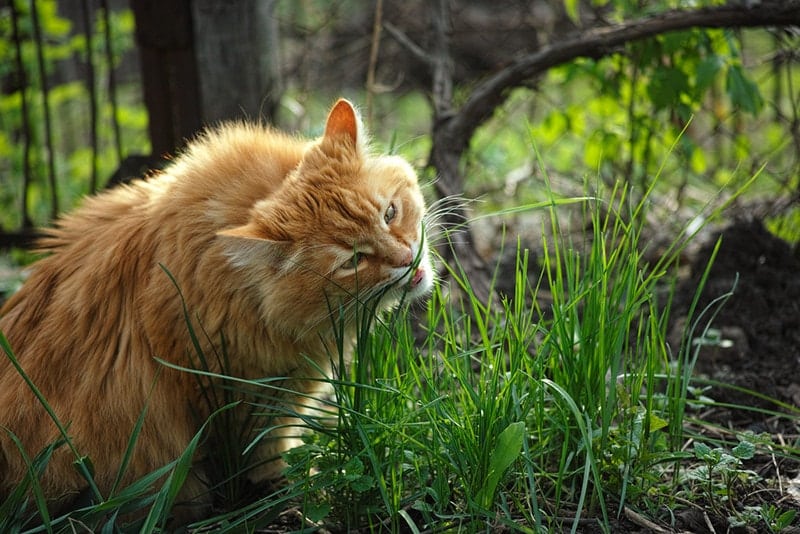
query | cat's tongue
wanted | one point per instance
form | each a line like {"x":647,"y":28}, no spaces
{"x":418,"y":276}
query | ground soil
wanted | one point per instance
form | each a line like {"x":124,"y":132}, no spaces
{"x":755,"y":347}
{"x":760,"y":320}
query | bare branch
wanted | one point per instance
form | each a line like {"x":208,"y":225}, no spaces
{"x":406,"y":42}
{"x":453,"y":128}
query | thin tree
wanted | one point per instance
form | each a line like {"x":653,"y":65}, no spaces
{"x":48,"y":128}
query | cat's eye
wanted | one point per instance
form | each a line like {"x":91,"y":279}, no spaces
{"x":355,"y":261}
{"x":391,"y":213}
{"x":358,"y":258}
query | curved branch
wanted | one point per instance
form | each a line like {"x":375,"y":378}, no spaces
{"x":453,"y":128}
{"x":601,"y":42}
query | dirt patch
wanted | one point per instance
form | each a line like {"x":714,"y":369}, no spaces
{"x":757,"y":329}
{"x":754,"y":345}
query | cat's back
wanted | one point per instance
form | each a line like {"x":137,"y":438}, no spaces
{"x":119,"y":234}
{"x":210,"y":185}
{"x":231,"y":167}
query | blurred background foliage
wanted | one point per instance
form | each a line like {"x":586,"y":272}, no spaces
{"x":704,"y":109}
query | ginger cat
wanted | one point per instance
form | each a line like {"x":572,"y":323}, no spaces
{"x":268,"y":238}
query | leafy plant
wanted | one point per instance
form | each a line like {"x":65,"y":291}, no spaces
{"x":721,"y":468}
{"x":775,"y":519}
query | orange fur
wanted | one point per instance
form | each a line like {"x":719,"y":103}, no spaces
{"x":259,"y":230}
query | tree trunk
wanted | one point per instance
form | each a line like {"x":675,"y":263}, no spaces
{"x":236,"y":48}
{"x":169,"y":72}
{"x":447,"y":148}
{"x":204,"y":61}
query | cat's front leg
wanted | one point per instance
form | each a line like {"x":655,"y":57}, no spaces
{"x":286,"y":432}
{"x":268,"y":465}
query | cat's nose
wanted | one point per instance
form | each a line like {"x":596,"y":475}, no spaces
{"x":405,"y":259}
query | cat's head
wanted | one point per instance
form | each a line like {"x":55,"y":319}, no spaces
{"x":344,"y":227}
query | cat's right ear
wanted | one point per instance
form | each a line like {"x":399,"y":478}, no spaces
{"x":345,"y":122}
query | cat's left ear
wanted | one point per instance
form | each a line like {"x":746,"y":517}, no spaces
{"x":344,"y":121}
{"x":254,"y":245}
{"x":247,"y":231}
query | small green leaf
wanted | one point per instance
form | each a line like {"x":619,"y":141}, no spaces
{"x":742,"y":91}
{"x":506,"y":450}
{"x":571,"y":7}
{"x":706,"y":71}
{"x":316,"y":512}
{"x":353,"y":470}
{"x":744,"y":450}
{"x":656,"y":423}
{"x":697,"y":161}
{"x":666,"y":87}
{"x":362,"y":484}
{"x":784,"y":520}
{"x":701,"y":450}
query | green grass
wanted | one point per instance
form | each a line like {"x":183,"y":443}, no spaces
{"x":530,"y":414}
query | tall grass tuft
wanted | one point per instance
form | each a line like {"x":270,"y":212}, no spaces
{"x":520,"y":415}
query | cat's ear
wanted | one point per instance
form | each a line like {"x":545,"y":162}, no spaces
{"x":255,"y":231}
{"x":344,"y":121}
{"x":252,"y":244}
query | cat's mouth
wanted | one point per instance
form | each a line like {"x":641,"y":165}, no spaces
{"x":415,"y":280}
{"x":418,"y":282}
{"x":418,"y":277}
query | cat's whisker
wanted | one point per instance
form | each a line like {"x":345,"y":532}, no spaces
{"x":447,"y":213}
{"x":450,"y":204}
